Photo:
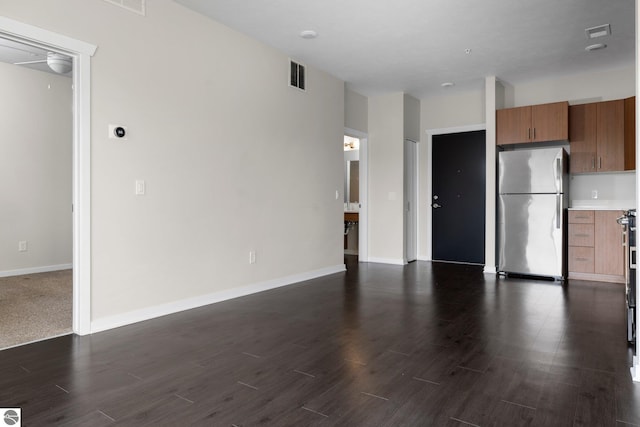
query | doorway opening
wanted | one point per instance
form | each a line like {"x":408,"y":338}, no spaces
{"x":80,"y":54}
{"x":355,"y":195}
{"x":36,"y":221}
{"x":455,"y":219}
{"x":351,"y":194}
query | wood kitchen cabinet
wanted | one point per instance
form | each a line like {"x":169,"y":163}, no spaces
{"x":602,"y":136}
{"x":533,"y":123}
{"x":595,"y":246}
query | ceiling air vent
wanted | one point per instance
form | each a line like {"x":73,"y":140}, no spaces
{"x":296,"y":75}
{"x":137,"y":6}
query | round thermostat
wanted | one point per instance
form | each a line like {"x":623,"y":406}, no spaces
{"x":119,"y":132}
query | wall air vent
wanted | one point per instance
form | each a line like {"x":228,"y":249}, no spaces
{"x":297,"y":75}
{"x":136,"y":6}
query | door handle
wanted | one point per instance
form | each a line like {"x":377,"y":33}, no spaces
{"x":558,"y":175}
{"x":436,"y":206}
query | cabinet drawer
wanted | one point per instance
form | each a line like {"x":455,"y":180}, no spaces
{"x":581,"y":235}
{"x":581,"y":217}
{"x":581,"y":259}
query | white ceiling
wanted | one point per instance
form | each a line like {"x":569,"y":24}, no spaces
{"x":412,"y":46}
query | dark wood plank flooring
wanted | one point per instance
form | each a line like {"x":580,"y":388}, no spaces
{"x":420,"y":345}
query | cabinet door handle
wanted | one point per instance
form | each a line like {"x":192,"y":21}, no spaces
{"x":534,"y":133}
{"x":582,"y":259}
{"x":593,"y":163}
{"x":599,"y":162}
{"x":582,"y":235}
{"x":529,"y":134}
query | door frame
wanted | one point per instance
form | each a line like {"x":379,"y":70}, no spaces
{"x":427,"y":250}
{"x":81,"y":53}
{"x":363,"y":215}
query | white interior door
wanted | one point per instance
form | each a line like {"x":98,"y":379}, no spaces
{"x":410,"y":198}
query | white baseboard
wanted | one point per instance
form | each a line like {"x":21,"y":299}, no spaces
{"x":424,"y":258}
{"x":34,"y":270}
{"x":490,"y":270}
{"x":393,"y":261}
{"x":143,"y":314}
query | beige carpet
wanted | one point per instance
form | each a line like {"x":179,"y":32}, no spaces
{"x":35,"y":306}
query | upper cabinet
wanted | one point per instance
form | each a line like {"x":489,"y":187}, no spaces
{"x":534,"y":123}
{"x":602,"y":136}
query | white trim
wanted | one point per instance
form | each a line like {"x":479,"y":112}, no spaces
{"x":363,"y":214}
{"x":393,"y":261}
{"x":82,"y":196}
{"x":81,"y":53}
{"x":355,"y":133}
{"x":39,"y":36}
{"x":490,"y":270}
{"x":428,"y":250}
{"x":351,"y":252}
{"x":34,"y":270}
{"x":148,"y":313}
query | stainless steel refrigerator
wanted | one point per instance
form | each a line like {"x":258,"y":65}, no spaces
{"x":533,"y":187}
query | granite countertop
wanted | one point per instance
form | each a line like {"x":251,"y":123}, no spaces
{"x":600,"y":204}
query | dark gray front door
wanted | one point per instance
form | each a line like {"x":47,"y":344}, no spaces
{"x":458,"y":204}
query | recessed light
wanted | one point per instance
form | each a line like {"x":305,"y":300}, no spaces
{"x":308,"y":34}
{"x":599,"y":31}
{"x":595,"y":47}
{"x":447,"y":84}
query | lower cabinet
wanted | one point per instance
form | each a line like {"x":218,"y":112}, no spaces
{"x":596,"y":249}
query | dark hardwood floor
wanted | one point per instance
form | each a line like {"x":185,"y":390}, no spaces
{"x":420,"y":345}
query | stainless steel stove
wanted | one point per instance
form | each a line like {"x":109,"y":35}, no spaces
{"x":628,"y":221}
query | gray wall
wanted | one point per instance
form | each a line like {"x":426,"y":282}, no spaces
{"x":35,"y":170}
{"x":234,"y":160}
{"x":356,"y":114}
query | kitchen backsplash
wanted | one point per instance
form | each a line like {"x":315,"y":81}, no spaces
{"x":617,"y":189}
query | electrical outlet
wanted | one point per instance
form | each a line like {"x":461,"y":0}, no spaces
{"x":252,"y":257}
{"x":22,"y":246}
{"x":594,"y":194}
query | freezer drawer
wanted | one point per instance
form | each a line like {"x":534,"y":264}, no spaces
{"x":531,"y":234}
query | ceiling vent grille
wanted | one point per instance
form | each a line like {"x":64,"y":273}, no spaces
{"x":297,"y":75}
{"x":136,"y":6}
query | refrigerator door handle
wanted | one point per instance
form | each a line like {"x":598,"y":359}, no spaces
{"x":558,"y":210}
{"x":558,"y":175}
